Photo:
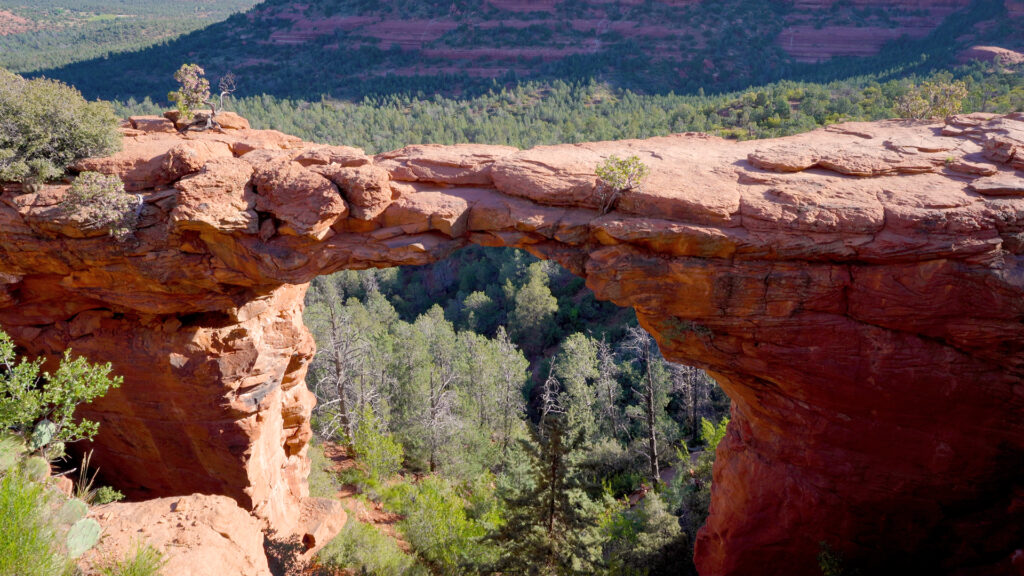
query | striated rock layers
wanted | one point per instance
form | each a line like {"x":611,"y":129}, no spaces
{"x":858,"y":291}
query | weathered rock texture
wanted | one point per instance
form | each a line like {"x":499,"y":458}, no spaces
{"x":858,"y":291}
{"x":198,"y":536}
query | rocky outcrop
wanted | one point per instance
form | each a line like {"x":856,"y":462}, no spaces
{"x":197,"y":535}
{"x":856,"y":290}
{"x":1003,"y":56}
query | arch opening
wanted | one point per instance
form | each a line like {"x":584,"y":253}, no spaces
{"x":868,"y":338}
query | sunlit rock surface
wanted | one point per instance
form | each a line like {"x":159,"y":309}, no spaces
{"x":858,"y":291}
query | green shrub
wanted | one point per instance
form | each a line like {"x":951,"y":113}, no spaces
{"x":31,"y":401}
{"x":690,"y":492}
{"x":144,"y":560}
{"x":439,"y":528}
{"x":932,"y":100}
{"x":31,"y":543}
{"x":106,"y":495}
{"x":619,"y":176}
{"x":361,"y":549}
{"x":378,"y":451}
{"x":47,"y":125}
{"x":100,"y":200}
{"x":323,"y":482}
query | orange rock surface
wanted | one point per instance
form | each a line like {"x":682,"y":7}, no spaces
{"x":858,"y":291}
{"x":197,"y":535}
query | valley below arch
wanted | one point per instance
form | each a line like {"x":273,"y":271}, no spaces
{"x":857,"y":292}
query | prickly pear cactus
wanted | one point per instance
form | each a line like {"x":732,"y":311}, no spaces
{"x":42,"y":434}
{"x":55,"y":451}
{"x":72,"y":511}
{"x":82,"y":536}
{"x":36,"y":468}
{"x":11,"y":449}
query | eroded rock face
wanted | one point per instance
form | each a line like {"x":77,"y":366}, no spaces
{"x":856,"y":290}
{"x":198,"y":535}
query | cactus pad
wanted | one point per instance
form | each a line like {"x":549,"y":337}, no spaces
{"x":72,"y":511}
{"x":42,"y":434}
{"x":36,"y":468}
{"x":82,"y":536}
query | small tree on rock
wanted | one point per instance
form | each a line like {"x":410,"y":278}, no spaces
{"x":227,"y":87}
{"x":618,"y":177}
{"x":194,"y":89}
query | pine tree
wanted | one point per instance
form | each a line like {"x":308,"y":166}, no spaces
{"x":551,"y":527}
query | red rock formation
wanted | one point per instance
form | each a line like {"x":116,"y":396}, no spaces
{"x":198,"y":536}
{"x":818,"y":30}
{"x":857,"y":291}
{"x":991,"y":54}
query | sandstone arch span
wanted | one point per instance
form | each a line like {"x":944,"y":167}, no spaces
{"x":856,"y":290}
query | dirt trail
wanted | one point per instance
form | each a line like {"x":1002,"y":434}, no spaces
{"x":371,"y":513}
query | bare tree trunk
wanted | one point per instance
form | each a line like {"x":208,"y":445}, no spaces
{"x":340,"y":377}
{"x":641,"y":344}
{"x":652,"y":438}
{"x":433,"y":423}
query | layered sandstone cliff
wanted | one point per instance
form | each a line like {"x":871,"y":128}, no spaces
{"x":857,"y":291}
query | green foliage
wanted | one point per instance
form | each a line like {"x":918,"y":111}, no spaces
{"x":378,"y":451}
{"x":551,"y":525}
{"x":61,"y":32}
{"x":31,"y":543}
{"x":100,"y":202}
{"x":435,"y":382}
{"x":12,"y":447}
{"x":143,"y":560}
{"x":711,"y":435}
{"x":619,"y":176}
{"x":323,"y":482}
{"x":47,"y":126}
{"x":193,"y":89}
{"x":361,"y":549}
{"x":644,"y":540}
{"x":106,"y":495}
{"x":438,"y":526}
{"x":557,"y":112}
{"x":932,"y":99}
{"x":691,"y":490}
{"x":28,"y":397}
{"x":534,"y":308}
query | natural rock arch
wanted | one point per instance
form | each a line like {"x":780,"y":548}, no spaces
{"x":857,"y":291}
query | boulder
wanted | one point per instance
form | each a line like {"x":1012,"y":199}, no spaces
{"x":198,"y":535}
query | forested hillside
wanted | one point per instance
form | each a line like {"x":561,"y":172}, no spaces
{"x":44,"y":34}
{"x":351,"y":49}
{"x":534,"y":113}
